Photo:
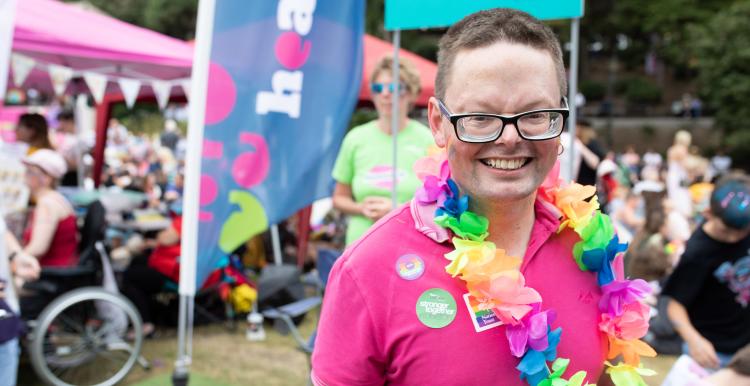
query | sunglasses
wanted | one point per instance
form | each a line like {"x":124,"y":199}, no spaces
{"x":378,"y":88}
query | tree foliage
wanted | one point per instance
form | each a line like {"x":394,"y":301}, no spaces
{"x":721,"y":51}
{"x":659,"y":26}
{"x":171,"y":17}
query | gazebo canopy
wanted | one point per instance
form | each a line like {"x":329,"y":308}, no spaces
{"x":57,"y":33}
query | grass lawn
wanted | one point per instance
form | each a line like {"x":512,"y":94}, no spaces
{"x":227,"y":358}
{"x":165,"y":379}
{"x":661,"y":365}
{"x":220,"y":358}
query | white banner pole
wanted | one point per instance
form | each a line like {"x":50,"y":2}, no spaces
{"x":196,"y":121}
{"x":7,"y":14}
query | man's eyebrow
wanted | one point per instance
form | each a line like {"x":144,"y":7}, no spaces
{"x":540,"y":104}
{"x":484,"y":107}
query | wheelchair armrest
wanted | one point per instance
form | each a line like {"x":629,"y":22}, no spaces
{"x":43,"y":286}
{"x":66,"y":272}
{"x":50,"y":278}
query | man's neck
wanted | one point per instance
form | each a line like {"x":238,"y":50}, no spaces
{"x":510,"y":223}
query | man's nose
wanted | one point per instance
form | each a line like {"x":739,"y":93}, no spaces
{"x":509,"y":135}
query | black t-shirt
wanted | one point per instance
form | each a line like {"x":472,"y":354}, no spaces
{"x":712,"y":281}
{"x":586,"y":174}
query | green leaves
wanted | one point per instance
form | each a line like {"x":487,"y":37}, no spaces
{"x":470,"y":226}
{"x":721,"y":54}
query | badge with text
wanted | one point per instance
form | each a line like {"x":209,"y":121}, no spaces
{"x":436,"y":308}
{"x":410,"y":267}
{"x":482,"y":319}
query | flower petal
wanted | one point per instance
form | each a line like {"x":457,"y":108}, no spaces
{"x":517,"y":339}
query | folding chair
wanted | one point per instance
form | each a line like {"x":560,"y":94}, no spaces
{"x":288,"y":312}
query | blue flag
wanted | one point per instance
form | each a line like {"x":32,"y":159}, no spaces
{"x":283,"y":80}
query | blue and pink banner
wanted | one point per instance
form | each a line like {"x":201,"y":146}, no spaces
{"x":283,"y":81}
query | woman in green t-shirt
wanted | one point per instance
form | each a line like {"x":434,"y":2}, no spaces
{"x":364,"y":167}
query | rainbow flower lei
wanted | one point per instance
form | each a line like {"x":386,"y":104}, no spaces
{"x":495,"y":281}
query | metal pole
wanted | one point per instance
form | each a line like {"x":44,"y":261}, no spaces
{"x":7,"y":14}
{"x":190,"y":323}
{"x":189,"y":243}
{"x":276,"y":243}
{"x":181,"y":374}
{"x":572,"y":91}
{"x":394,"y":114}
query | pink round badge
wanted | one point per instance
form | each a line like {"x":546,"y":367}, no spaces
{"x":410,"y":267}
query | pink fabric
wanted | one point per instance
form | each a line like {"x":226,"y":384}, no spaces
{"x":369,"y":333}
{"x":55,"y":32}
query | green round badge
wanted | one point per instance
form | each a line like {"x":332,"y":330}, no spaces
{"x":436,"y":308}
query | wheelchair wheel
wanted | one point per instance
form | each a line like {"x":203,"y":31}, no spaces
{"x":80,"y":339}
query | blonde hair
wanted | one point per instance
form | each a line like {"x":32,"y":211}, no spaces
{"x":407,"y":72}
{"x":682,"y":137}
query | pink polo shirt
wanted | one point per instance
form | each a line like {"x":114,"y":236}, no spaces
{"x":369,"y":332}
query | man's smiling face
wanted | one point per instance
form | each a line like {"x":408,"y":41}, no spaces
{"x":502,"y":78}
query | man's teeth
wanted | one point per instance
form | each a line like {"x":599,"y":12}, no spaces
{"x":505,"y":164}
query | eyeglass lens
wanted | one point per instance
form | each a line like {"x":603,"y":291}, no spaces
{"x":535,"y":125}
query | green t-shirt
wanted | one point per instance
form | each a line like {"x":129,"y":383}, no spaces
{"x":364,"y":163}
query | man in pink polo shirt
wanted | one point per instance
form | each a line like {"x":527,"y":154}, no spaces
{"x":391,"y":314}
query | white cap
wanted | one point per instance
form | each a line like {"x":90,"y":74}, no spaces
{"x":50,"y":161}
{"x":605,"y":167}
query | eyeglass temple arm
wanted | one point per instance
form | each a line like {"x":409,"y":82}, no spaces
{"x":443,"y":109}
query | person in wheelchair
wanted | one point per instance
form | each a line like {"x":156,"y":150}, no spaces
{"x":51,"y":235}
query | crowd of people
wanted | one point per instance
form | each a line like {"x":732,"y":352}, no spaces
{"x":54,"y":159}
{"x":688,"y":223}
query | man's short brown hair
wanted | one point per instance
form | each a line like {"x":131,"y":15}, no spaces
{"x":485,"y":28}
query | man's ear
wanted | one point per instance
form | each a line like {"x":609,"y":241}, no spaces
{"x":435,"y":119}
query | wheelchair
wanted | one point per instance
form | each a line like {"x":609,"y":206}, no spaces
{"x":79,"y":320}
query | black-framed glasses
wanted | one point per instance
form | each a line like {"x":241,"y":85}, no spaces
{"x":534,"y":125}
{"x":378,"y":88}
